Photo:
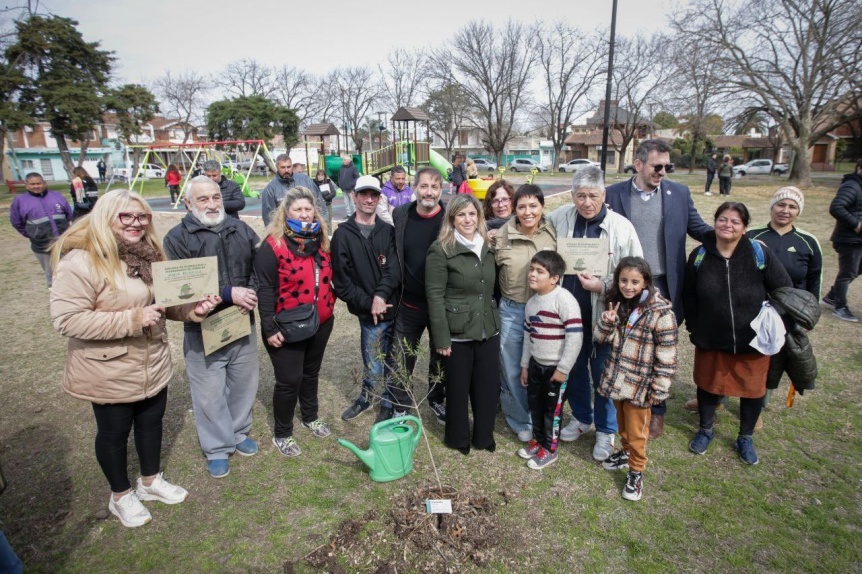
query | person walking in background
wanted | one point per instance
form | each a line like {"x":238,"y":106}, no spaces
{"x":640,"y":326}
{"x":710,"y":173}
{"x":470,"y":169}
{"x":347,"y":176}
{"x":725,"y":175}
{"x":458,"y":174}
{"x":40,"y":215}
{"x":553,"y":334}
{"x":119,"y":358}
{"x":846,"y":208}
{"x":84,"y":192}
{"x":174,"y":178}
{"x":516,"y":243}
{"x":223,"y":383}
{"x":328,"y":191}
{"x":459,"y":282}
{"x":103,"y":170}
{"x":294,"y":267}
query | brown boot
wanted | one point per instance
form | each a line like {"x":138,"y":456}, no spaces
{"x":656,"y":426}
{"x":691,"y":404}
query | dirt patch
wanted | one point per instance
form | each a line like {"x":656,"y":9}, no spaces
{"x":418,"y":541}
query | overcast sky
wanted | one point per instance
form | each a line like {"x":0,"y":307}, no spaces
{"x":151,"y":36}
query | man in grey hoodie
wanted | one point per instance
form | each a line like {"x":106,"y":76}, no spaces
{"x":274,"y":192}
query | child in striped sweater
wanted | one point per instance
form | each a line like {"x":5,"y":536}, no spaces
{"x":553,"y":333}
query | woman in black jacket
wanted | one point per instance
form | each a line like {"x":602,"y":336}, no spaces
{"x":83,"y":198}
{"x":726,"y":282}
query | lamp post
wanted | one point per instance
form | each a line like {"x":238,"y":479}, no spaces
{"x":608,"y":87}
{"x":380,"y":127}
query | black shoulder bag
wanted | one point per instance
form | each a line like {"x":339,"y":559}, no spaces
{"x":301,"y":322}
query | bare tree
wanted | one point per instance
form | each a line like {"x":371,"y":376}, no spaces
{"x":796,"y":60}
{"x":493,"y":68}
{"x":447,"y":105}
{"x":184,"y":97}
{"x":248,"y":77}
{"x":296,"y":89}
{"x":326,"y":98}
{"x":697,"y":89}
{"x":402,"y":75}
{"x":570,"y":61}
{"x":639,"y":78}
{"x":357,"y":90}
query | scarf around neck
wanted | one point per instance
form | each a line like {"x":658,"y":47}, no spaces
{"x":138,"y":258}
{"x":475,"y":246}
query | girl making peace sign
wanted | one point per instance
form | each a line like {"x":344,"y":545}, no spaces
{"x":640,"y":326}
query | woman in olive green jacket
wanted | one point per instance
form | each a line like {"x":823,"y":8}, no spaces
{"x":459,"y":282}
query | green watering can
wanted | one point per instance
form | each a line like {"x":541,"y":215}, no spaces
{"x":392,"y":442}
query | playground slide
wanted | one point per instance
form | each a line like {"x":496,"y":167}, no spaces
{"x":439,"y":163}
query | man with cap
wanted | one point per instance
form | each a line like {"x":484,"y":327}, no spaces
{"x":846,"y":208}
{"x":367,"y":276}
{"x":284,"y":180}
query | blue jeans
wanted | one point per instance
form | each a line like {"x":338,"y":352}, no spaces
{"x":513,"y":397}
{"x":377,"y":358}
{"x":591,"y":362}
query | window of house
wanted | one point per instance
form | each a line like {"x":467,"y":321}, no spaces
{"x":47,"y":168}
{"x":27,"y":164}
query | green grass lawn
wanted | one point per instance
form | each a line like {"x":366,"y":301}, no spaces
{"x":798,"y":510}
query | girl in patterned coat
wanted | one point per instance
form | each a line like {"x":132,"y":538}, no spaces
{"x":640,"y":326}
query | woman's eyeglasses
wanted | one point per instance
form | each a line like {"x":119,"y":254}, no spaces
{"x":130,"y":218}
{"x":501,"y":201}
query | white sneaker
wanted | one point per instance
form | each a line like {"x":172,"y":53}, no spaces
{"x":525,"y":435}
{"x":604,"y":446}
{"x":574,"y":430}
{"x":129,"y":510}
{"x":161,"y":490}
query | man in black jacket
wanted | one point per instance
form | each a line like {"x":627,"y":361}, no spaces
{"x":347,"y":177}
{"x":231,"y":194}
{"x":366,"y":276}
{"x":846,"y":208}
{"x":223,"y":382}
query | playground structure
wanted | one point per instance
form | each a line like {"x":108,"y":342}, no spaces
{"x":189,"y":156}
{"x":406,"y":149}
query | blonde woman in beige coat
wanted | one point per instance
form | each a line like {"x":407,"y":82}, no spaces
{"x":119,"y":359}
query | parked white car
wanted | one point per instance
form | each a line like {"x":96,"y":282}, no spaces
{"x":147,"y":171}
{"x":521,"y":164}
{"x":760,"y":166}
{"x":483,"y":164}
{"x":576,"y":164}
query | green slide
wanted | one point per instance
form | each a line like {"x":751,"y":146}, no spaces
{"x":439,"y":163}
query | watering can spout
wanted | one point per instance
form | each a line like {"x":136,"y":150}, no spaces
{"x":366,"y":456}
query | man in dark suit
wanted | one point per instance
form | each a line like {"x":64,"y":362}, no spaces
{"x":662,"y":213}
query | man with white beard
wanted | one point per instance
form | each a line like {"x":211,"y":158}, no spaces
{"x":224,"y":383}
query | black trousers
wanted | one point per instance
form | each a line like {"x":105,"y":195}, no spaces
{"x":710,"y":175}
{"x":297,"y":371}
{"x":114,"y":422}
{"x":472,"y":375}
{"x":546,"y":398}
{"x":724,"y":184}
{"x":410,"y":323}
{"x":749,"y":411}
{"x":849,"y":267}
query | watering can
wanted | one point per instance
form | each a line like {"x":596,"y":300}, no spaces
{"x":391,"y":446}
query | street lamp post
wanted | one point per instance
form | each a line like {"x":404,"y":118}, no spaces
{"x":608,"y":87}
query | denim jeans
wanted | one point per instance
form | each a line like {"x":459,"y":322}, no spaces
{"x":377,"y":358}
{"x":582,"y":395}
{"x":513,"y":397}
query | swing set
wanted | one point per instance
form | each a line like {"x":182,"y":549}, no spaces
{"x":238,"y":161}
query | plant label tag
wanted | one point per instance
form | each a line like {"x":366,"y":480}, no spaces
{"x":438,"y":506}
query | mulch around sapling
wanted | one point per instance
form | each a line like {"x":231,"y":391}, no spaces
{"x":416,"y":540}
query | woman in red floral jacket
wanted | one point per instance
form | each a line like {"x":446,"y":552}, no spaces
{"x":293,"y":267}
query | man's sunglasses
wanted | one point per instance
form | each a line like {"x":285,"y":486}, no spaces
{"x":668,"y":168}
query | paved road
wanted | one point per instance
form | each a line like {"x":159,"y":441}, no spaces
{"x":252,"y":204}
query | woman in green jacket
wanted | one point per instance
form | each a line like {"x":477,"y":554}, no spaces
{"x":460,"y":273}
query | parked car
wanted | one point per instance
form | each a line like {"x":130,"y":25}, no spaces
{"x":575,"y":165}
{"x":245,"y":164}
{"x":520,"y":164}
{"x":483,"y":164}
{"x":760,"y":167}
{"x":630,"y":168}
{"x":146,"y":171}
